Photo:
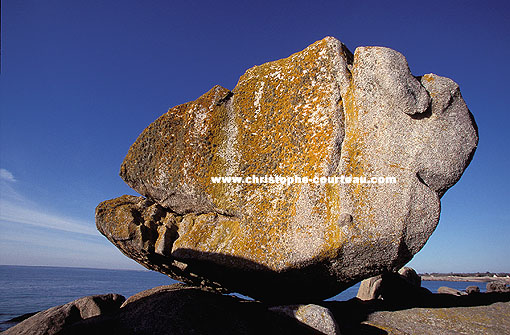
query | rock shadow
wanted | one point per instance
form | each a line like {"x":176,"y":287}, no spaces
{"x":190,"y":310}
{"x":241,"y":275}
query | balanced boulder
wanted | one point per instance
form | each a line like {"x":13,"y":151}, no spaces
{"x":390,"y":143}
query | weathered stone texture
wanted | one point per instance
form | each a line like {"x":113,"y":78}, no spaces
{"x":320,"y":112}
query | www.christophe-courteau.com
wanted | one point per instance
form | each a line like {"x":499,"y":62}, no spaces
{"x":304,"y":180}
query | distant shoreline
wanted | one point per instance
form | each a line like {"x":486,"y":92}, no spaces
{"x":468,"y":279}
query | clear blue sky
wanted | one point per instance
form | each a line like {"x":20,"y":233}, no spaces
{"x":81,"y":79}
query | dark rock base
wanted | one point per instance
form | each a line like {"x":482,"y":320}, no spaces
{"x":180,"y":309}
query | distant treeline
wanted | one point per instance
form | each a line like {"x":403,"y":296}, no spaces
{"x":472,"y":274}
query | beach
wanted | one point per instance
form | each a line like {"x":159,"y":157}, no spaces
{"x":485,"y":279}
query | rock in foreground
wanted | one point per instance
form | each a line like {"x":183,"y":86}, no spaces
{"x":56,"y":319}
{"x":314,"y":316}
{"x":322,"y":112}
{"x":179,"y":309}
{"x":490,"y":319}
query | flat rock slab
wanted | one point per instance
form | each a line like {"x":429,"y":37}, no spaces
{"x":322,"y":112}
{"x":491,"y":319}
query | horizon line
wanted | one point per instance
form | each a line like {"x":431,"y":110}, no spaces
{"x":147,"y":270}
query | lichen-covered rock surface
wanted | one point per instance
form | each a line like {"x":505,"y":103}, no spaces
{"x":322,"y":112}
{"x":485,"y":319}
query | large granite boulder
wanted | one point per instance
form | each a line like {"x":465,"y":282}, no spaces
{"x":322,"y":112}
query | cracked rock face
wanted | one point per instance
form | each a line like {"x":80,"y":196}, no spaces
{"x":320,"y":112}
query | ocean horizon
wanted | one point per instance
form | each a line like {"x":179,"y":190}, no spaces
{"x":28,"y":289}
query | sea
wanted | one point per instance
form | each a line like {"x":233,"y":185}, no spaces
{"x":28,"y":289}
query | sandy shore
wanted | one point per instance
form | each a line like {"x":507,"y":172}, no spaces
{"x":471,"y":279}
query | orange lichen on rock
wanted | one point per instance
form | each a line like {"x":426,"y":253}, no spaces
{"x":282,"y":119}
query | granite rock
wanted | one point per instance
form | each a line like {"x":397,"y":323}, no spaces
{"x":489,"y":319}
{"x":410,"y":275}
{"x":370,"y":288}
{"x":322,"y":112}
{"x":59,"y":318}
{"x":179,"y":309}
{"x":497,"y":286}
{"x":405,"y":281}
{"x":317,"y":317}
{"x":472,"y":289}
{"x":449,"y":290}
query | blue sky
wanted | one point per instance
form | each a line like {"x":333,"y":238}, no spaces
{"x":81,"y":79}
